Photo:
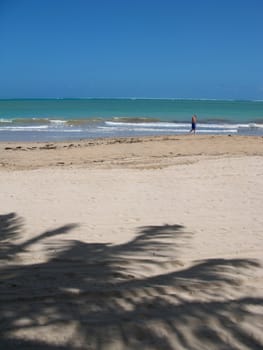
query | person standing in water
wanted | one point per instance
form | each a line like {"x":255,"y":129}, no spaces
{"x":194,"y":119}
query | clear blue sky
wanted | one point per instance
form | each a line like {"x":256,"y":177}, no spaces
{"x":131,"y":48}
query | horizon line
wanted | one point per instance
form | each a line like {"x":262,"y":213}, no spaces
{"x":132,"y":98}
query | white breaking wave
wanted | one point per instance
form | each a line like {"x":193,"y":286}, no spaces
{"x":58,"y":121}
{"x":156,"y":124}
{"x":24,"y":128}
{"x":175,"y":126}
{"x":2,"y":120}
{"x":167,"y":131}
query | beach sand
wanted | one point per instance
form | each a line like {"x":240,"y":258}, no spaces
{"x":133,"y":243}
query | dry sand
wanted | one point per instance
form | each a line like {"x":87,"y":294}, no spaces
{"x":136,"y":243}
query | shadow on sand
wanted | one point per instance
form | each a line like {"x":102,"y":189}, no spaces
{"x":134,"y":295}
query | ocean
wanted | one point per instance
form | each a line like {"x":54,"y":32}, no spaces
{"x":74,"y":119}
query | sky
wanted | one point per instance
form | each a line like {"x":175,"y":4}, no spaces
{"x":131,"y":48}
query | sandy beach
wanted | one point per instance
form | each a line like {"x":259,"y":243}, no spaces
{"x":132,"y":243}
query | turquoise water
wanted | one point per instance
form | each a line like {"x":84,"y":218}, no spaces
{"x":165,"y":110}
{"x":57,"y":119}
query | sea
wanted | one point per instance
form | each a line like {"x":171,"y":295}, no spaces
{"x":87,"y":118}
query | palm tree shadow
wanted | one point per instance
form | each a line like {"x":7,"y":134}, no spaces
{"x":129,"y":296}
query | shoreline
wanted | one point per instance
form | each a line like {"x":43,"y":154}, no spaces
{"x":137,"y":152}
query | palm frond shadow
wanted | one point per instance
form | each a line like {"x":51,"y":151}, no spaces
{"x":10,"y":228}
{"x":128,"y":296}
